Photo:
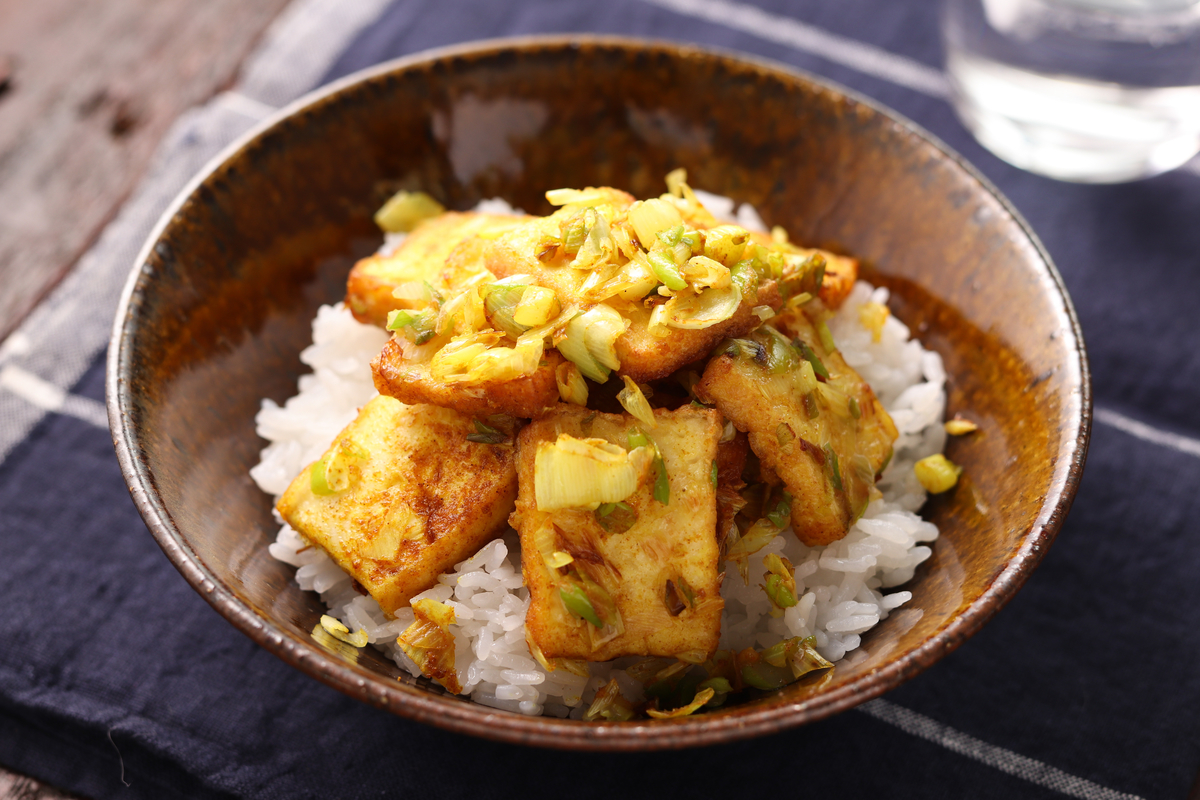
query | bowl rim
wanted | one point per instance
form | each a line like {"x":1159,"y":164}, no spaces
{"x":471,"y":718}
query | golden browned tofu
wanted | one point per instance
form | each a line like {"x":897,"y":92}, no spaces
{"x":408,"y":381}
{"x":826,"y":436}
{"x":442,"y":251}
{"x":402,"y":496}
{"x":840,"y":271}
{"x":646,"y":357}
{"x":655,"y":564}
{"x":643,"y":356}
{"x":840,"y":274}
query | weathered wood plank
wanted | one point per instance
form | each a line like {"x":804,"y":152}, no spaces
{"x":19,"y":787}
{"x":92,"y":86}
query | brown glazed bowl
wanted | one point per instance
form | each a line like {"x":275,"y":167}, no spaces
{"x":218,"y":308}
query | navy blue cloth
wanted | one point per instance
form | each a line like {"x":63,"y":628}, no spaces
{"x":117,"y":680}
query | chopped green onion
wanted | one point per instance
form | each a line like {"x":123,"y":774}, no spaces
{"x":756,"y":538}
{"x":836,"y":473}
{"x":811,"y":357}
{"x":574,"y":232}
{"x":742,"y":348}
{"x":785,"y":435}
{"x":718,"y":684}
{"x":781,"y":356}
{"x":616,"y":517}
{"x":335,"y":628}
{"x":590,"y":341}
{"x":610,"y":704}
{"x":826,"y":337}
{"x":405,"y":210}
{"x":745,"y":278}
{"x":960,"y":427}
{"x":806,"y":659}
{"x":576,"y":601}
{"x":433,"y":294}
{"x":855,"y":411}
{"x":726,"y":243}
{"x":777,"y":655}
{"x":417,"y":326}
{"x":317,"y":480}
{"x":499,"y":303}
{"x":671,"y":236}
{"x":778,"y":592}
{"x":781,"y":515}
{"x":665,"y":269}
{"x":714,"y":473}
{"x":662,"y":484}
{"x":937,"y":473}
{"x":765,"y":676}
{"x":650,"y":217}
{"x":810,"y":406}
{"x":572,"y":473}
{"x":633,"y":400}
{"x":572,"y":388}
{"x":538,"y":305}
{"x":701,"y":698}
{"x":486,"y":434}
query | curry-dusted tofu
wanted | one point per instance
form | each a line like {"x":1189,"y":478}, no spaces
{"x":657,"y":565}
{"x":401,"y":496}
{"x":841,"y":272}
{"x":643,"y":355}
{"x":825,"y":435}
{"x":410,"y":381}
{"x":443,"y":251}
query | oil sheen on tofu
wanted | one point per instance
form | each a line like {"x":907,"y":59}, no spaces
{"x":811,"y":419}
{"x":648,"y":571}
{"x":401,"y":496}
{"x":443,"y":251}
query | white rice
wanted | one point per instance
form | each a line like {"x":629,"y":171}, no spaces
{"x":840,"y":586}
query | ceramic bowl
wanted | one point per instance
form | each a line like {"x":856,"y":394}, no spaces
{"x":219,"y":304}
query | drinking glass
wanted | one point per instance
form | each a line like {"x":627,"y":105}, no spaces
{"x":1096,"y":91}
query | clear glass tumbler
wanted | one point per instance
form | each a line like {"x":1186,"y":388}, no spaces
{"x":1095,"y":91}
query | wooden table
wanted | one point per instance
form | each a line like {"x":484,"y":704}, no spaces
{"x":87,"y":90}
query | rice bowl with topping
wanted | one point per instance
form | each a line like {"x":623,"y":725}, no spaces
{"x":842,"y":589}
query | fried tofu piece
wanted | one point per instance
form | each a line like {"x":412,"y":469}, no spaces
{"x":840,"y":274}
{"x":416,"y":497}
{"x":443,"y":251}
{"x":643,"y":356}
{"x":662,"y":573}
{"x":840,"y":271}
{"x":646,"y":357}
{"x":409,"y":381}
{"x":829,"y":461}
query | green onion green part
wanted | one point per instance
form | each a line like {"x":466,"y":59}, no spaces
{"x":577,"y":602}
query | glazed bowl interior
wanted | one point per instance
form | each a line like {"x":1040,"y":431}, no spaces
{"x":219,"y":308}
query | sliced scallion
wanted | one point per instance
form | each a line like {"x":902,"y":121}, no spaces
{"x":665,"y":269}
{"x":576,"y":601}
{"x":826,"y":337}
{"x":405,"y":210}
{"x":835,"y":472}
{"x":811,"y":357}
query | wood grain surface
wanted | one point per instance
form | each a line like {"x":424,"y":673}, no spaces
{"x":19,"y":787}
{"x":87,"y":90}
